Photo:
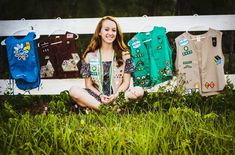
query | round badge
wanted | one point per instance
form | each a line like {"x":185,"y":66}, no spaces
{"x":186,"y":48}
{"x":93,"y":68}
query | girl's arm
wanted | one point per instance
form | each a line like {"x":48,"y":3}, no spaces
{"x":89,"y":85}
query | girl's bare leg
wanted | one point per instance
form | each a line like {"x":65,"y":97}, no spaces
{"x":134,"y":93}
{"x":83,"y":98}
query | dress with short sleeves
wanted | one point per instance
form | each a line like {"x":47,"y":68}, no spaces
{"x":85,"y":72}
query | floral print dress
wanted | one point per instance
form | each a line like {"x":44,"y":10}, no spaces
{"x":85,"y":72}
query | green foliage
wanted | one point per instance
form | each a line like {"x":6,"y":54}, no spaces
{"x":60,"y":104}
{"x":6,"y":111}
{"x":177,"y":131}
{"x":163,"y":122}
{"x":23,"y":103}
{"x":212,"y":7}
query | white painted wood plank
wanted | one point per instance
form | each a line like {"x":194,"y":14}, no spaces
{"x":48,"y":86}
{"x":128,"y":24}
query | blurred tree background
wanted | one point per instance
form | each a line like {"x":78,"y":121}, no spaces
{"x":51,"y":9}
{"x":42,"y":9}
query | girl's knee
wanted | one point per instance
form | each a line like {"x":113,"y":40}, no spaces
{"x":139,"y":91}
{"x":134,"y":93}
{"x":74,"y":91}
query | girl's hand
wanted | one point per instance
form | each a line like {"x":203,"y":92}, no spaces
{"x":105,"y":99}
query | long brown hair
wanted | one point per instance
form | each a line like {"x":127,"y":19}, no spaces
{"x":118,"y":44}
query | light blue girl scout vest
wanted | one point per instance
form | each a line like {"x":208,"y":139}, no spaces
{"x":116,"y":73}
{"x":152,"y":56}
{"x":23,"y":61}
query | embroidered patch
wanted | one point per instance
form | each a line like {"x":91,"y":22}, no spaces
{"x":71,"y":64}
{"x":138,"y":56}
{"x":211,"y":84}
{"x":186,"y":48}
{"x":214,"y":41}
{"x":134,"y":39}
{"x":217,"y":59}
{"x":94,"y":67}
{"x":139,"y":63}
{"x":69,"y":35}
{"x":159,"y":47}
{"x":47,"y":70}
{"x":140,"y":69}
{"x":76,"y":57}
{"x":21,"y":52}
{"x":183,"y":42}
{"x":186,"y":51}
{"x":136,"y":44}
{"x":27,"y":46}
{"x":187,"y":62}
{"x":187,"y":66}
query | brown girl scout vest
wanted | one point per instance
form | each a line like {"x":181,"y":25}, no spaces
{"x":200,"y":62}
{"x":59,"y":56}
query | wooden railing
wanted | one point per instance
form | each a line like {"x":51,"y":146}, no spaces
{"x":88,"y":25}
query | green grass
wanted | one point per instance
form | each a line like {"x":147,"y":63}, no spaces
{"x":177,"y":131}
{"x":162,"y":123}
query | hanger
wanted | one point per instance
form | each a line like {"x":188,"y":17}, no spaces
{"x":198,"y":27}
{"x":61,"y":31}
{"x":146,"y":29}
{"x":147,"y":25}
{"x":23,"y":32}
{"x":3,"y":42}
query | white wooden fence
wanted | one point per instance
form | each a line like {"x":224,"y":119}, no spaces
{"x":88,"y":25}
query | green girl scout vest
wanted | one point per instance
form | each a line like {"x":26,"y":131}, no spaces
{"x":116,"y":72}
{"x":140,"y":58}
{"x":152,"y":56}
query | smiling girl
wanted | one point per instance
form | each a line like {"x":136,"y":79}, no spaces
{"x":106,"y":67}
